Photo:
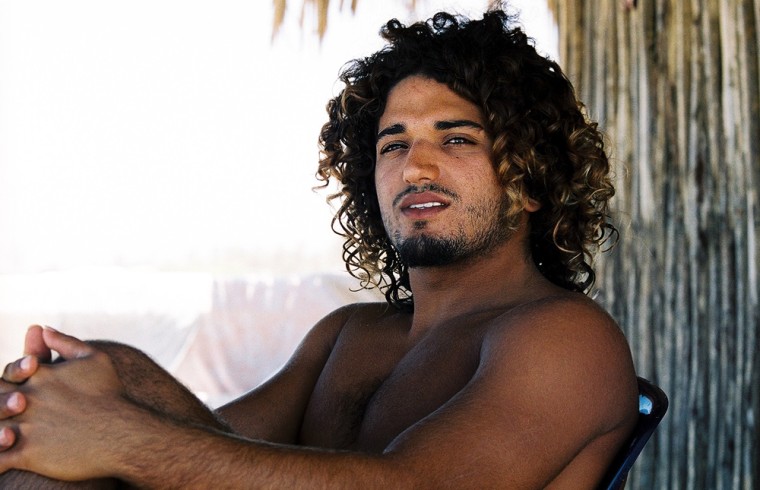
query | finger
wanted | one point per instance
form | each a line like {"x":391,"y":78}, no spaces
{"x":7,"y":438}
{"x":11,"y":404}
{"x":34,"y":344}
{"x":67,"y":346}
{"x":21,"y":369}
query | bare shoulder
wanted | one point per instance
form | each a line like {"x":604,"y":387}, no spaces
{"x":567,"y":326}
{"x":323,"y":335}
{"x":358,"y":311}
{"x":565,"y":316}
{"x":551,"y":401}
{"x":570,"y":347}
{"x":372,"y":311}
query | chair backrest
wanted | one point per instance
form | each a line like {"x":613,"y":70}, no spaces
{"x":653,"y":403}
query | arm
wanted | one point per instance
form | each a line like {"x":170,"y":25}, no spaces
{"x":271,"y":412}
{"x":144,"y":381}
{"x":552,"y":401}
{"x":274,"y":410}
{"x":523,"y":419}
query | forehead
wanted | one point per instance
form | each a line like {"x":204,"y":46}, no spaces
{"x":418,"y":97}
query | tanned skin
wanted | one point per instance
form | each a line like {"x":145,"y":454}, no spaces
{"x":497,"y":379}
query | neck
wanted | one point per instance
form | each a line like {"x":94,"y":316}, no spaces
{"x":503,"y":278}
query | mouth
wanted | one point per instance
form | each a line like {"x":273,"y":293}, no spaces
{"x":423,"y":205}
{"x":417,"y":194}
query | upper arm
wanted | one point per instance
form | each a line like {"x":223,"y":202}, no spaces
{"x":273,"y":411}
{"x":554,"y":385}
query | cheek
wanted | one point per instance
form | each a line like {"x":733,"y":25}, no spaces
{"x":382,"y":188}
{"x":492,"y":180}
{"x":385,"y":203}
{"x":482,"y":182}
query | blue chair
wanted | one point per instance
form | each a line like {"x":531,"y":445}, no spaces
{"x":653,"y":403}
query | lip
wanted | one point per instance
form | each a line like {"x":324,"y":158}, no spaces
{"x":439,"y":204}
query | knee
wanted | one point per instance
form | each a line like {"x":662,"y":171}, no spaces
{"x":119,"y":352}
{"x":129,"y":361}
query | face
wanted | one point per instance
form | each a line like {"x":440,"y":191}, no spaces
{"x":439,"y":195}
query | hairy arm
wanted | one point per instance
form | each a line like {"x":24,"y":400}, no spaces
{"x":274,"y":410}
{"x":554,"y":382}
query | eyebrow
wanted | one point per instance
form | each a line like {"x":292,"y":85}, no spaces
{"x":457,"y":123}
{"x":439,"y":125}
{"x":394,"y":129}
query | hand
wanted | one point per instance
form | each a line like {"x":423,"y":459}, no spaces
{"x":67,"y":408}
{"x":13,"y":402}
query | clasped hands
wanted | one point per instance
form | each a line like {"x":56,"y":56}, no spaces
{"x":52,"y":413}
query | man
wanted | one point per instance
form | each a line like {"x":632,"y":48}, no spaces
{"x":473,"y":191}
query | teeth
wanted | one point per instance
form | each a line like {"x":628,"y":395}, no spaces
{"x":425,"y":205}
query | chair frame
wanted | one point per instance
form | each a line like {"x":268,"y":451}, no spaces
{"x":653,"y":404}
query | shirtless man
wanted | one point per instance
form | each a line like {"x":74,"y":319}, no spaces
{"x":473,"y":191}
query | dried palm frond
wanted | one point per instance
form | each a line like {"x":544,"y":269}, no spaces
{"x":279,"y":16}
{"x":321,"y":6}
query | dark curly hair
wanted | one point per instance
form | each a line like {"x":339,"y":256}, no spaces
{"x":543,"y":145}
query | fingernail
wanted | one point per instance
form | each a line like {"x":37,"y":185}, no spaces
{"x":46,"y":327}
{"x":5,"y":438}
{"x":14,"y":401}
{"x":26,"y":363}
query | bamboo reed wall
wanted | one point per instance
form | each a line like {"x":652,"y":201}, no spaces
{"x":674,"y":83}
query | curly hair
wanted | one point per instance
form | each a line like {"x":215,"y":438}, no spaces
{"x":544,"y":147}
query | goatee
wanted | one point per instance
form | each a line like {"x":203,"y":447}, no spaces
{"x":424,"y":250}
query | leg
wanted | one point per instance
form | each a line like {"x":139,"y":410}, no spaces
{"x":147,"y":384}
{"x":22,"y":479}
{"x":151,"y":386}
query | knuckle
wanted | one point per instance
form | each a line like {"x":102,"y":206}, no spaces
{"x":42,"y":374}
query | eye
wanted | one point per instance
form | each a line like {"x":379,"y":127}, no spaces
{"x":392,"y":146}
{"x":459,"y":140}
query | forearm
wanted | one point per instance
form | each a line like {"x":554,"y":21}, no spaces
{"x":164,"y":454}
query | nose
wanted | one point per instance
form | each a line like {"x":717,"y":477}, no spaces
{"x":421,"y":163}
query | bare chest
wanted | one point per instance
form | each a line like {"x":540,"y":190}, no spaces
{"x":374,"y":387}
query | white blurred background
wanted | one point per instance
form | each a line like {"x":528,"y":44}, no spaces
{"x":157,"y":161}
